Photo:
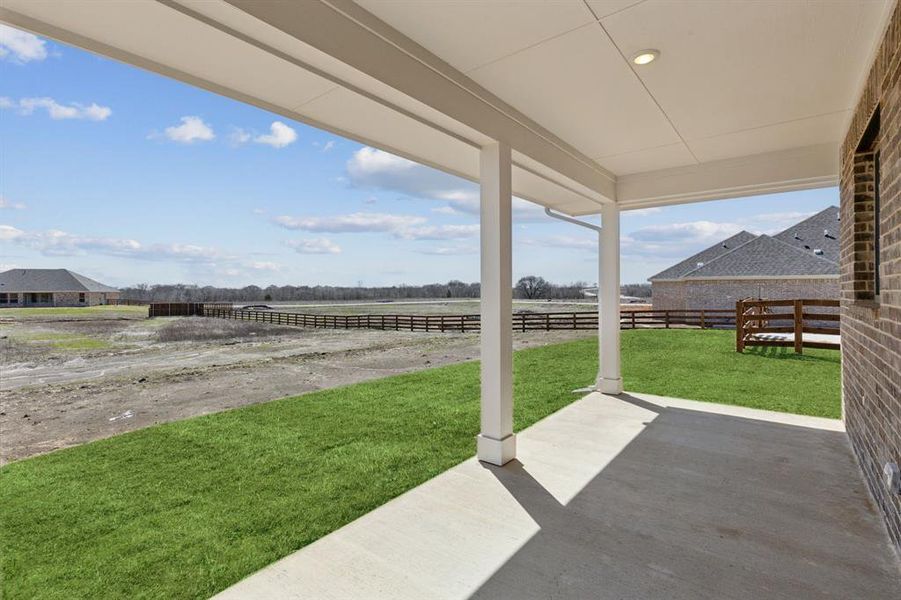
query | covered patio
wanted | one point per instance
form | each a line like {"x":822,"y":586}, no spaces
{"x":587,"y":107}
{"x":619,"y":495}
{"x":629,"y":496}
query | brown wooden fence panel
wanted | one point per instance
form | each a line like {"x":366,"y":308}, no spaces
{"x":754,"y":318}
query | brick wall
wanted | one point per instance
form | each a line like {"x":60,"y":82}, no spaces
{"x":871,"y":330}
{"x":91,"y":298}
{"x":681,"y":295}
{"x":66,"y":299}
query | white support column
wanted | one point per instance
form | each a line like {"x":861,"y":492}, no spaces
{"x":610,"y":379}
{"x":496,"y":443}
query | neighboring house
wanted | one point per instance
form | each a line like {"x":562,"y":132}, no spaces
{"x":799,"y":262}
{"x":52,"y":287}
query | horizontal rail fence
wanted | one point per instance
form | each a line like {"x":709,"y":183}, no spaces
{"x":548,"y":321}
{"x":767,"y":323}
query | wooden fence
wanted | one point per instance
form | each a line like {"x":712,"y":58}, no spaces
{"x":766,"y":323}
{"x":547,"y":321}
{"x":176,"y":309}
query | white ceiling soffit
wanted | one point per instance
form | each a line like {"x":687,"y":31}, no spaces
{"x":745,"y":97}
{"x":733,"y":80}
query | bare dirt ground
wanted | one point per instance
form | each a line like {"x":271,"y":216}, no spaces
{"x":66,"y":380}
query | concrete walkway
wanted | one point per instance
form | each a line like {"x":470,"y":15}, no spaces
{"x":635,"y":496}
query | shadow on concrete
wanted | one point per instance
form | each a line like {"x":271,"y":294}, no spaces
{"x":701,"y":505}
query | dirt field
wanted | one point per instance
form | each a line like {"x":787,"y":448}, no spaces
{"x":68,"y":376}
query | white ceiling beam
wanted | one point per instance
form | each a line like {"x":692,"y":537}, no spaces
{"x":783,"y":171}
{"x":350,"y":34}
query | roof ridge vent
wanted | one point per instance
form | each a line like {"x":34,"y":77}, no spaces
{"x":818,"y":251}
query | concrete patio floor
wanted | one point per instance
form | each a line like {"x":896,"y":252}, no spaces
{"x":634,"y":496}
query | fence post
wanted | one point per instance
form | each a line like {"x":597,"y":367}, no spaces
{"x":799,"y":327}
{"x":739,"y":326}
{"x":666,"y":318}
{"x":702,"y":318}
{"x":633,"y":319}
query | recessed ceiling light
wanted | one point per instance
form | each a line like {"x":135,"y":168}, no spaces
{"x":645,"y":56}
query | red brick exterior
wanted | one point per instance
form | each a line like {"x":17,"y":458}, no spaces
{"x":724,"y":293}
{"x":871,"y":330}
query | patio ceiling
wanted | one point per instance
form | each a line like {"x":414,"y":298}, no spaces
{"x":745,"y":98}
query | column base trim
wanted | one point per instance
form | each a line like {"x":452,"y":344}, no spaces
{"x":494,"y":451}
{"x":610,"y":386}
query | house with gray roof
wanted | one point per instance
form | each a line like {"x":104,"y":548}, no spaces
{"x":798,"y":262}
{"x":52,"y":287}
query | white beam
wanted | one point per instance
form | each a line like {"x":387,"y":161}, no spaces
{"x":803,"y":168}
{"x":496,"y":443}
{"x":610,"y":379}
{"x":345,"y":31}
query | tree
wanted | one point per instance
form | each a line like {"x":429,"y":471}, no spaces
{"x":531,"y":287}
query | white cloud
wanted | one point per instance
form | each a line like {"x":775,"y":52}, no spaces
{"x":674,"y":241}
{"x":693,"y":231}
{"x":787,"y":217}
{"x":263,"y":266}
{"x":369,"y":167}
{"x":356,"y":222}
{"x":562,"y":241}
{"x":239,"y":137}
{"x":55,"y":242}
{"x":279,"y":136}
{"x":202,"y":259}
{"x":315,"y":246}
{"x":57,"y":111}
{"x":20,"y":46}
{"x":8,"y":232}
{"x":449,"y":250}
{"x":438,"y":232}
{"x":407,"y":227}
{"x":445,"y":210}
{"x":771,"y":223}
{"x":326,"y":147}
{"x":192,"y":129}
{"x":6,"y":203}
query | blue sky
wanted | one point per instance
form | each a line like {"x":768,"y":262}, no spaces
{"x":129,"y":177}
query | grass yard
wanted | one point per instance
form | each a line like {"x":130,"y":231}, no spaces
{"x":185,"y":509}
{"x":85,"y":312}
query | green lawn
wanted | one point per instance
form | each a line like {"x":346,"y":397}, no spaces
{"x":183,"y":510}
{"x":102,"y":312}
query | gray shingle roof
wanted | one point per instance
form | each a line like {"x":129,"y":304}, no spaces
{"x":49,"y":280}
{"x":765,"y":256}
{"x":789,"y":253}
{"x":705,"y":256}
{"x":810,"y":234}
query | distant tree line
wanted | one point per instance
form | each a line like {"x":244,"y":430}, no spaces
{"x":527,"y":287}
